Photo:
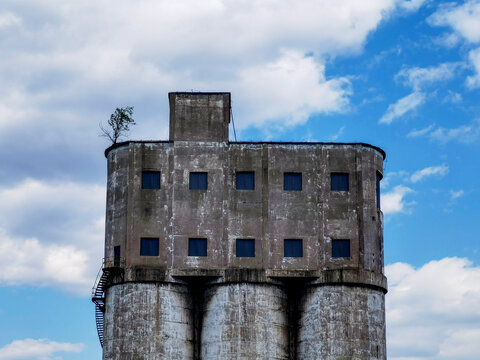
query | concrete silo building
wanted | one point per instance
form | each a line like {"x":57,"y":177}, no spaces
{"x":240,"y":250}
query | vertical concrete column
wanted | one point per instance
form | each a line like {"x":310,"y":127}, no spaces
{"x":148,"y":321}
{"x":245,"y":321}
{"x":341,"y":322}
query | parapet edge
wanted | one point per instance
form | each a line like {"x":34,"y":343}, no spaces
{"x":128,"y":142}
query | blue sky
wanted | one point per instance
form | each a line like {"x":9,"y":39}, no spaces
{"x":402,"y":75}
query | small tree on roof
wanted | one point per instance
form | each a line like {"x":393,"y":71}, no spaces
{"x":118,"y":124}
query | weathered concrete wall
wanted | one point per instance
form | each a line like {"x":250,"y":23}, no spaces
{"x":199,"y":117}
{"x":245,"y":321}
{"x":268,"y":214}
{"x":341,"y":323}
{"x":117,"y":213}
{"x":148,"y":321}
{"x":198,"y":213}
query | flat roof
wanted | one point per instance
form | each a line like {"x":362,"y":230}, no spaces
{"x":124,"y":143}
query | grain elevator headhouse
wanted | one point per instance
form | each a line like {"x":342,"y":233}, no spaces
{"x":241,"y":250}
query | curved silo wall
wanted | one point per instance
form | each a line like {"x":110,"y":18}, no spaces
{"x":148,"y":321}
{"x":341,"y":322}
{"x":245,"y":321}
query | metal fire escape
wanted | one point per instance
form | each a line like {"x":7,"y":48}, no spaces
{"x":109,"y":269}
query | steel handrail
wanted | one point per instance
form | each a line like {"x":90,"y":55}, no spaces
{"x":107,"y":263}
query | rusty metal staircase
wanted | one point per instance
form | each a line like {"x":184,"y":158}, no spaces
{"x":110,"y":268}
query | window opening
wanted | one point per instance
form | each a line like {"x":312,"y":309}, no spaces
{"x":116,"y":256}
{"x":377,"y":189}
{"x":292,"y":181}
{"x":293,"y":248}
{"x":341,"y":248}
{"x":245,"y":180}
{"x":197,"y":247}
{"x":150,"y":179}
{"x":198,"y":181}
{"x":245,"y":248}
{"x":339,"y":181}
{"x":149,"y":247}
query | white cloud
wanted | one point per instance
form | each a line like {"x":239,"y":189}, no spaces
{"x":448,"y":40}
{"x":454,"y":195}
{"x":428,"y":171}
{"x":420,"y":132}
{"x":51,"y":234}
{"x":402,"y":106}
{"x":388,"y":177}
{"x":29,"y":261}
{"x":464,"y":134}
{"x":453,"y":97}
{"x":8,"y":19}
{"x":307,"y":92}
{"x":91,"y":51}
{"x":474,"y":80}
{"x":394,"y":201}
{"x":57,"y":212}
{"x":419,"y":78}
{"x":412,"y":5}
{"x":464,"y":19}
{"x":37,"y":349}
{"x":432,"y":311}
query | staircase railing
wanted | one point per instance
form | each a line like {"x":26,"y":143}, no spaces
{"x":110,"y":266}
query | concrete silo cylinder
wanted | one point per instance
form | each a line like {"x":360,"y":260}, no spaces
{"x":341,"y":322}
{"x":148,"y":321}
{"x":245,"y":321}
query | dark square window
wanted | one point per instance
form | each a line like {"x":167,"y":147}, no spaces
{"x":245,"y":180}
{"x":197,"y":247}
{"x":340,"y":248}
{"x":198,"y":181}
{"x":292,"y":181}
{"x":339,"y":181}
{"x":150,"y":179}
{"x":149,"y":246}
{"x":245,"y":248}
{"x":377,"y":189}
{"x":292,"y":248}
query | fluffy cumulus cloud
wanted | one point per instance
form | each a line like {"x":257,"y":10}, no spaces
{"x":308,"y":91}
{"x":464,"y":19}
{"x":30,"y":261}
{"x":51,"y":234}
{"x":432,"y":311}
{"x":403,"y":106}
{"x":394,"y":200}
{"x":76,"y":53}
{"x":37,"y":349}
